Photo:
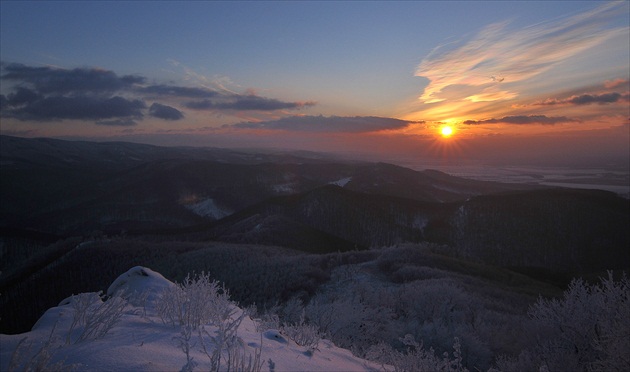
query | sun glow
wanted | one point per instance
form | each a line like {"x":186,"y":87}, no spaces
{"x":446,"y":131}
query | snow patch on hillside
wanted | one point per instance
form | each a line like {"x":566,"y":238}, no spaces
{"x":341,"y":182}
{"x":285,"y":188}
{"x":208,"y":208}
{"x":420,"y":222}
{"x":139,"y":340}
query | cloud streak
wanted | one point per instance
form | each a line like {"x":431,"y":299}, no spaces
{"x":524,"y":120}
{"x":514,"y":56}
{"x":177,"y":91}
{"x":332,"y":124}
{"x":248,"y":102}
{"x":587,"y":99}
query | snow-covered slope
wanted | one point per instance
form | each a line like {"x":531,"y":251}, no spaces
{"x":208,"y":208}
{"x":125,"y":333}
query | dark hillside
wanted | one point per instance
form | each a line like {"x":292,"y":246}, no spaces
{"x":74,"y":187}
{"x":562,"y":230}
{"x":365,"y":220}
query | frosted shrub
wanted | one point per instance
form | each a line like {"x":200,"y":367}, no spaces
{"x":95,"y":317}
{"x":194,"y":302}
{"x":267,"y":321}
{"x":293,"y":310}
{"x":238,"y":361}
{"x":321,"y":314}
{"x":303,"y":334}
{"x":185,"y":345}
{"x":198,"y":302}
{"x":225,"y":339}
{"x":588,"y":328}
{"x":416,"y":357}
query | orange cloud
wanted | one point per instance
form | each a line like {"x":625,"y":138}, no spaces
{"x":495,"y":64}
{"x":523,"y":120}
{"x":490,"y":95}
{"x":611,"y":84}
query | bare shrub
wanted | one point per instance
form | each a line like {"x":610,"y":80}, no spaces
{"x":416,"y":357}
{"x":23,"y":359}
{"x":223,"y":338}
{"x":239,"y":361}
{"x":95,"y":316}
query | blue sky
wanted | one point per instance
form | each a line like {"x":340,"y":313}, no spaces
{"x":485,"y":68}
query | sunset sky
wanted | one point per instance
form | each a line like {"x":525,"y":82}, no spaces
{"x":516,"y":81}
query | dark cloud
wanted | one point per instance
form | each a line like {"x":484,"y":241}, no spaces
{"x":248,"y":102}
{"x":586,"y":99}
{"x":23,"y":96}
{"x":47,"y":93}
{"x":524,"y":119}
{"x":177,"y":91}
{"x":47,"y":80}
{"x":205,"y":104}
{"x":78,"y":107}
{"x":117,"y":122}
{"x":335,"y":124}
{"x":165,"y":112}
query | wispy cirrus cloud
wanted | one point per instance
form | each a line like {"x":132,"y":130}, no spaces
{"x":498,"y":56}
{"x":524,"y":120}
{"x":247,"y":102}
{"x":330,"y":124}
{"x":176,"y":91}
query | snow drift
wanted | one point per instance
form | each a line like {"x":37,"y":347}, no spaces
{"x":126,"y":329}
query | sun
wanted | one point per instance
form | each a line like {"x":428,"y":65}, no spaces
{"x":446,"y":131}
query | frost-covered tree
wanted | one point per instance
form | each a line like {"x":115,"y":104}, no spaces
{"x":587,"y":329}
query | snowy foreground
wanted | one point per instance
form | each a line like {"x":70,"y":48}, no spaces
{"x":130,"y":332}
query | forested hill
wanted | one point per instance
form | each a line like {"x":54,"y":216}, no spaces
{"x":70,"y":187}
{"x":305,"y":201}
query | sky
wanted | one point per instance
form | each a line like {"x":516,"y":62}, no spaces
{"x":517,"y":82}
